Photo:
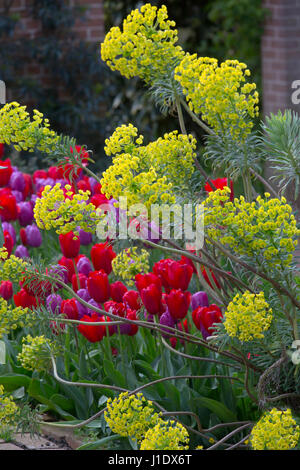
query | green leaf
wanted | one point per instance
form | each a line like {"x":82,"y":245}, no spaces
{"x":113,"y":374}
{"x":2,"y":352}
{"x":225,"y":415}
{"x":13,"y":381}
{"x":98,"y":444}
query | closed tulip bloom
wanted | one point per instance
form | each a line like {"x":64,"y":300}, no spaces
{"x":10,"y":228}
{"x":53,"y":303}
{"x":33,"y":236}
{"x":6,"y":290}
{"x":98,"y":286}
{"x":69,"y":244}
{"x":131,"y":315}
{"x":178,"y":303}
{"x":5,"y":172}
{"x":167,"y":320}
{"x":145,"y":280}
{"x":69,"y":309}
{"x":17,"y":181}
{"x":93,"y":333}
{"x":8,"y":242}
{"x":84,"y":266}
{"x":68,"y":264}
{"x":8,"y":206}
{"x":82,"y":281}
{"x":85,"y":237}
{"x":102,"y":255}
{"x":25,"y":213}
{"x":21,"y":252}
{"x":179,"y":275}
{"x":152,"y":299}
{"x":199,"y":299}
{"x":132,"y":299}
{"x":117,"y":290}
{"x":205,"y":317}
{"x":23,"y":299}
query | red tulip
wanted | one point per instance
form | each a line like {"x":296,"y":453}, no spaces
{"x":145,"y":280}
{"x":131,"y":315}
{"x":8,"y":242}
{"x":204,"y":274}
{"x":205,"y":317}
{"x":69,"y":309}
{"x":39,"y":174}
{"x":161,"y":270}
{"x":5,"y":173}
{"x":82,"y":281}
{"x":152,"y":299}
{"x":116,"y":308}
{"x":178,"y":303}
{"x":69,"y":244}
{"x":98,"y":286}
{"x":179,"y":275}
{"x":102,"y":255}
{"x":93,"y":333}
{"x":117,"y":290}
{"x":6,"y":290}
{"x":8,"y":206}
{"x":99,"y":200}
{"x":132,"y":299}
{"x":23,"y":299}
{"x":219,"y":183}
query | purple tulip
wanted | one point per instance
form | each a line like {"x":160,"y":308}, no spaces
{"x":17,"y":181}
{"x":167,"y":320}
{"x":10,"y":228}
{"x":18,"y":195}
{"x":25,"y":213}
{"x":85,"y":237}
{"x":84,"y":295}
{"x":21,"y":252}
{"x":33,"y":236}
{"x":42,"y":182}
{"x":33,"y":200}
{"x":53,"y":303}
{"x":58,"y":272}
{"x":84,"y":266}
{"x":199,"y":299}
{"x":93,"y":183}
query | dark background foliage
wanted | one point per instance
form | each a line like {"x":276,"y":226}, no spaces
{"x":81,"y":96}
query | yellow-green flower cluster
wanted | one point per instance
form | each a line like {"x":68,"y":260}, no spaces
{"x":130,"y":415}
{"x":248,"y":316}
{"x":219,"y":93}
{"x":265,"y":229}
{"x":13,"y":318}
{"x":146,"y":47}
{"x":124,"y":140}
{"x":130,"y":262}
{"x":35,"y":355}
{"x":65,"y":211}
{"x":17,"y":129}
{"x":147,"y":174}
{"x":8,"y":411}
{"x":166,"y":435}
{"x":12,"y":268}
{"x":276,"y":430}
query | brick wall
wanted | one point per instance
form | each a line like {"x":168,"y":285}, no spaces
{"x":280,"y":54}
{"x":89,"y":28}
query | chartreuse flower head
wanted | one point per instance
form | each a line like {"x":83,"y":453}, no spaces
{"x":276,"y":430}
{"x":166,"y":435}
{"x":130,"y":262}
{"x":146,"y":47}
{"x":8,"y":411}
{"x":130,"y":415}
{"x":36,"y":354}
{"x":147,"y":174}
{"x":265,"y":230}
{"x":12,"y":318}
{"x":219,"y":93}
{"x":65,"y":211}
{"x":11,"y":268}
{"x":248,"y":316}
{"x":17,"y":129}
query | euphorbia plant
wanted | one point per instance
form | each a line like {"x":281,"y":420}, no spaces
{"x":231,"y":303}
